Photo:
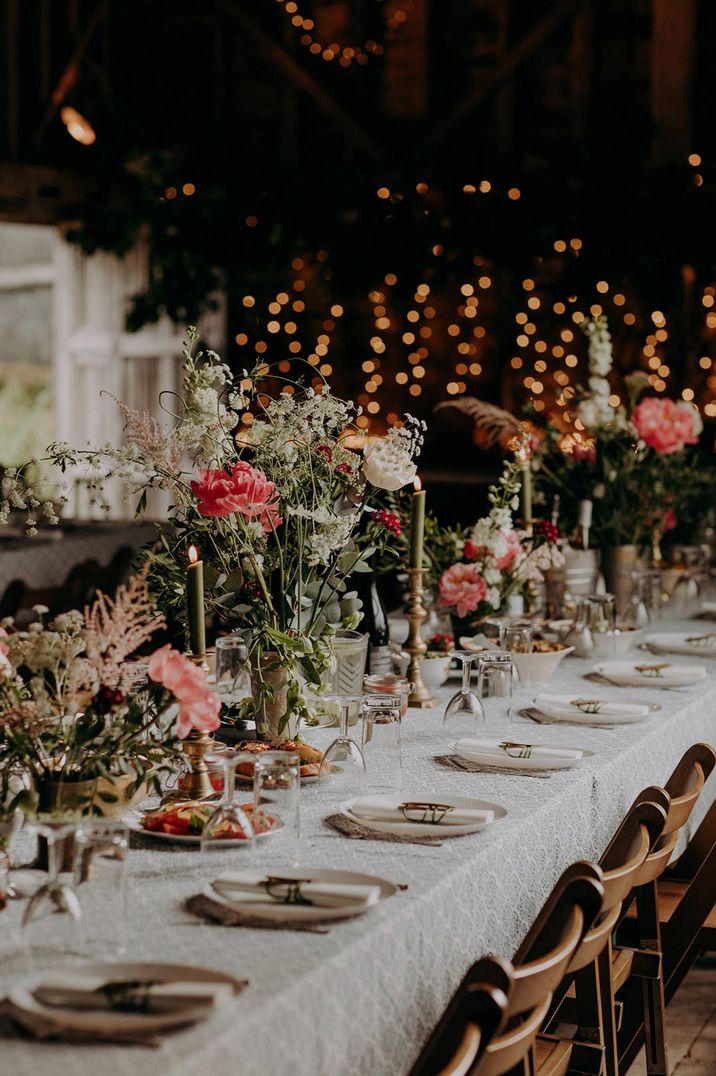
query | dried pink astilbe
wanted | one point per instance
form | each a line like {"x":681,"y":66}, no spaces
{"x":157,"y":446}
{"x":116,"y":628}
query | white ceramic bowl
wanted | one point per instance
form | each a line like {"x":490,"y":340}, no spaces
{"x":615,"y":646}
{"x":535,"y":669}
{"x":434,"y":671}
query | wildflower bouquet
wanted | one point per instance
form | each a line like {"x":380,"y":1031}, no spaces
{"x":632,"y":460}
{"x":494,"y":561}
{"x":281,"y":511}
{"x":70,"y":707}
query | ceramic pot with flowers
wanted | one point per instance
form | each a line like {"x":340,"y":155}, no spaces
{"x":435,"y":662}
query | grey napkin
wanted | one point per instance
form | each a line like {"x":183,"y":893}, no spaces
{"x":17,"y":1023}
{"x":454,"y":763}
{"x":348,"y":828}
{"x":215,"y":912}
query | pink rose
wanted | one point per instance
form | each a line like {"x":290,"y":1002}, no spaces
{"x":242,"y":489}
{"x":462,"y":586}
{"x":667,"y":425}
{"x":198,"y":706}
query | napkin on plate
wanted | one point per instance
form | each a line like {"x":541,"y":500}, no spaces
{"x":457,"y":816}
{"x":583,"y":704}
{"x":471,"y":748}
{"x":78,"y":991}
{"x":659,"y":671}
{"x":251,"y":886}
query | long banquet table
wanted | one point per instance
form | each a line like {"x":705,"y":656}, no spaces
{"x":359,"y":1000}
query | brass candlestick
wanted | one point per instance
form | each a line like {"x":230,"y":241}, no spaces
{"x":415,"y":646}
{"x":196,"y":784}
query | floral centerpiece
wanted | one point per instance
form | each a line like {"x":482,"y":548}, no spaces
{"x":281,"y":512}
{"x":631,"y":460}
{"x":75,"y":709}
{"x":483,"y":568}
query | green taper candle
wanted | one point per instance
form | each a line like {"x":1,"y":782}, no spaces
{"x":417,"y":525}
{"x":195,"y":603}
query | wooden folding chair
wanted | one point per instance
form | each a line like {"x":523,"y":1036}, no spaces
{"x":585,"y":998}
{"x":662,"y":959}
{"x":470,"y":1021}
{"x":559,"y":928}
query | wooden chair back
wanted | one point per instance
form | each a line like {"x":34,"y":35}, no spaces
{"x":469,"y":1022}
{"x":453,"y":1049}
{"x":678,"y":799}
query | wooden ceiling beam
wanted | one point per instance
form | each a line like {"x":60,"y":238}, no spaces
{"x":33,"y":194}
{"x":512,"y":60}
{"x":302,"y":79}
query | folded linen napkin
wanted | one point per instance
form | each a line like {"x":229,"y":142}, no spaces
{"x":472,"y":748}
{"x":78,"y":991}
{"x":247,"y":887}
{"x":547,"y":701}
{"x":429,"y":812}
{"x":660,"y":670}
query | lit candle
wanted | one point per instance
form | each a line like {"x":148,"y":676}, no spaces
{"x":417,"y":525}
{"x":195,"y":603}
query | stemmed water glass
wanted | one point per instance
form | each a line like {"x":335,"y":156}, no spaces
{"x":52,"y":920}
{"x":464,"y":710}
{"x":343,"y":766}
{"x":228,"y":816}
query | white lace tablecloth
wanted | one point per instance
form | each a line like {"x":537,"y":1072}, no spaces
{"x":360,"y":1000}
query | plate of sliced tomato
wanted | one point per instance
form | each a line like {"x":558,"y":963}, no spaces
{"x":184,"y":823}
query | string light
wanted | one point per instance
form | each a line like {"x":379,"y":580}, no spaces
{"x":344,"y":54}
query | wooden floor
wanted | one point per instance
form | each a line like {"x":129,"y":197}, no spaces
{"x":691,"y":1025}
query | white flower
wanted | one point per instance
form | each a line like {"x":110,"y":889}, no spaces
{"x":387,"y":465}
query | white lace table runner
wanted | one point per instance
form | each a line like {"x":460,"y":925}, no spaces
{"x":360,"y":1000}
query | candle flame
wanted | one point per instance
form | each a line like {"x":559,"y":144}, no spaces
{"x":193,"y":554}
{"x":417,"y":484}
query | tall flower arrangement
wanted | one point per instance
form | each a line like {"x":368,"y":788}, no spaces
{"x":281,"y":511}
{"x":480,"y":569}
{"x":631,"y":460}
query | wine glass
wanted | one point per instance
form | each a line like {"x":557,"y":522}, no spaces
{"x":52,"y":920}
{"x":464,"y":710}
{"x":636,"y":614}
{"x":343,"y":766}
{"x":233,"y":681}
{"x":229,"y":817}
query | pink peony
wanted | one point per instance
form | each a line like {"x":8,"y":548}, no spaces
{"x":581,"y":453}
{"x":242,"y":489}
{"x":667,"y":425}
{"x":462,"y":586}
{"x":198,"y":706}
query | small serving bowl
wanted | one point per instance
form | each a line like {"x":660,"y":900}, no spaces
{"x":434,"y":670}
{"x":534,"y":669}
{"x":615,"y":645}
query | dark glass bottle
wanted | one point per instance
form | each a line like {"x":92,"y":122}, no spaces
{"x":374,"y":622}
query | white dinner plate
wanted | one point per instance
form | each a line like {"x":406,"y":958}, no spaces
{"x":647,"y":673}
{"x":513,"y":762}
{"x":424,"y":829}
{"x":127,"y":1022}
{"x":320,"y":721}
{"x":300,"y":913}
{"x":696,"y":644}
{"x":132,"y":821}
